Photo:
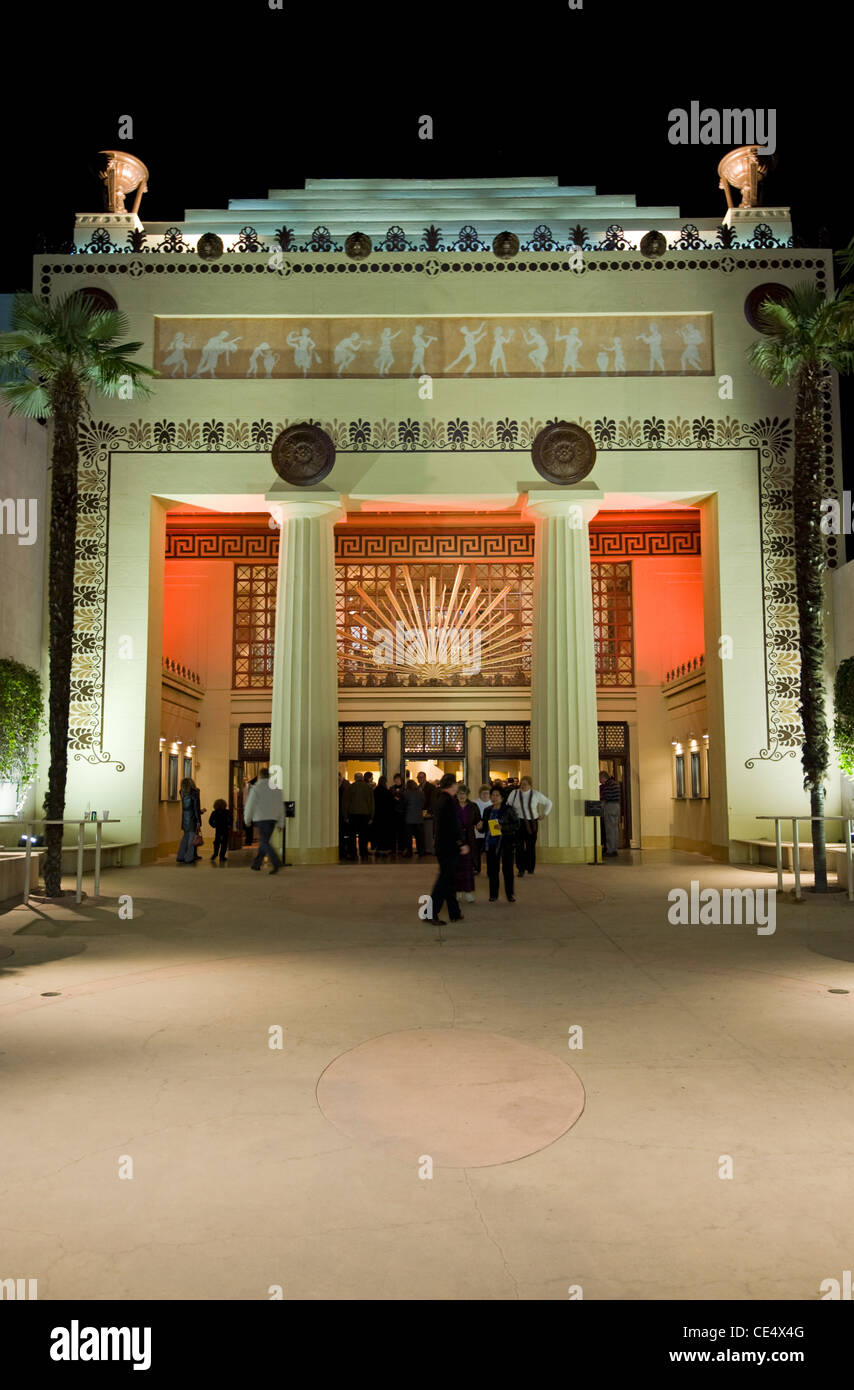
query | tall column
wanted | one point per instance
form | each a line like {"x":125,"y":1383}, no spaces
{"x":393,"y":746}
{"x":564,"y":738}
{"x":474,"y":755}
{"x":304,"y":733}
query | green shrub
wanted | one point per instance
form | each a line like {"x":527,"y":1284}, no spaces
{"x":843,"y":724}
{"x":20,"y":721}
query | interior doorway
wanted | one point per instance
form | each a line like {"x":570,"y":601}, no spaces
{"x":434,"y":768}
{"x":500,"y":768}
{"x":614,"y":759}
{"x":242,"y":771}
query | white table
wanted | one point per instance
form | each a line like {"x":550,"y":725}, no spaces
{"x":796,"y":850}
{"x":81,"y":832}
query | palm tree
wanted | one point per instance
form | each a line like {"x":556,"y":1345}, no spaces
{"x":61,"y":351}
{"x":806,"y":336}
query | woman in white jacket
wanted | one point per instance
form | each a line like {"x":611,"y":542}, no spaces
{"x":530,"y":806}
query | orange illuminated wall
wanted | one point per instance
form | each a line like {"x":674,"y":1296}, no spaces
{"x":668,"y":611}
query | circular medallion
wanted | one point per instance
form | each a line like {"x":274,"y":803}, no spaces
{"x":358,"y":246}
{"x":653,"y":244}
{"x":209,"y":247}
{"x":756,"y":298}
{"x":303,"y":455}
{"x":470,"y":1099}
{"x":100,"y":300}
{"x":563,"y":453}
{"x":505,"y":245}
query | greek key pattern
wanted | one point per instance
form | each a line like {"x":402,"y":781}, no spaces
{"x":770,"y":437}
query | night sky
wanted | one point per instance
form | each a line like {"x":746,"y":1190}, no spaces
{"x":229,"y":101}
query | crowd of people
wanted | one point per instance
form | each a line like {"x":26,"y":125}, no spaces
{"x":496,"y":830}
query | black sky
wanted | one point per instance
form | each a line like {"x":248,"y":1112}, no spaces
{"x":231,"y":100}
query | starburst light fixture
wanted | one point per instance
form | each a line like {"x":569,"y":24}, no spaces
{"x":433,"y":636}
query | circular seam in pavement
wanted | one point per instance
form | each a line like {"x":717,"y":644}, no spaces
{"x":464,"y":1098}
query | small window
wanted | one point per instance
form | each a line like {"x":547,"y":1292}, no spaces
{"x":696,"y":785}
{"x":188,"y":766}
{"x":173,"y":777}
{"x":680,"y":775}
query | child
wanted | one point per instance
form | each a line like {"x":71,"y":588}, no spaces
{"x":220,"y":819}
{"x":499,"y":825}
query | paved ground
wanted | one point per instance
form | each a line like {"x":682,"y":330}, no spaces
{"x":147,"y":1039}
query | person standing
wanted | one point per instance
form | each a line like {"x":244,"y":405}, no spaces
{"x":191,"y":821}
{"x":482,"y":803}
{"x":413,"y":813}
{"x":499,"y":823}
{"x":428,"y":791}
{"x":450,"y":844}
{"x":360,"y":814}
{"x":265,"y":807}
{"x":399,"y":808}
{"x":531,"y":807}
{"x":611,"y":796}
{"x":247,"y":829}
{"x":468,"y":816}
{"x":220,"y":822}
{"x":344,"y":850}
{"x":383,"y":819}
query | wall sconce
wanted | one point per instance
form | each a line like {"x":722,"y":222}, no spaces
{"x":678,"y":747}
{"x":705,"y":738}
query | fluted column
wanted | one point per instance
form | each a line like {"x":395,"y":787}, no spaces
{"x":304,"y":733}
{"x":393,"y":747}
{"x":474,"y":755}
{"x":564,"y":739}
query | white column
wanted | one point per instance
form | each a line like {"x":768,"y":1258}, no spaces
{"x":564,"y":739}
{"x":304,"y":733}
{"x":474,"y":755}
{"x":393,"y":747}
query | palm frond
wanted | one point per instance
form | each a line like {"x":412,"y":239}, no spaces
{"x":27,"y":398}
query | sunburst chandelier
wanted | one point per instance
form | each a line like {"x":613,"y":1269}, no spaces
{"x":433,"y":636}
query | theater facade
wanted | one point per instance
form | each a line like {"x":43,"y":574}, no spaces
{"x":466,"y":475}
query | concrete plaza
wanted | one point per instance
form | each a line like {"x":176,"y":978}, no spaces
{"x":142,"y":1043}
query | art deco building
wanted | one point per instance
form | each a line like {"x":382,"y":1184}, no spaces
{"x":471,"y":475}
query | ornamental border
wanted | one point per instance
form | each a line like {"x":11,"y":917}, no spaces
{"x":454,"y":263}
{"x":770,"y":437}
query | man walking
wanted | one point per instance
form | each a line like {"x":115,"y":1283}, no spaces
{"x":265,"y":808}
{"x":530,"y":806}
{"x":610,"y":796}
{"x":450,"y":844}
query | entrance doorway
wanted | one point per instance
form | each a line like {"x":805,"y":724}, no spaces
{"x":506,"y":750}
{"x":433,"y":768}
{"x":361,"y":748}
{"x":614,"y":759}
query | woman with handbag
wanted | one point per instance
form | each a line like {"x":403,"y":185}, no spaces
{"x":191,"y":822}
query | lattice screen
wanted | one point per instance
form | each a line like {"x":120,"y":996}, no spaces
{"x":361,"y":740}
{"x":254,"y":625}
{"x":613,"y":641}
{"x":507,"y":740}
{"x":253,"y":741}
{"x":613,"y":739}
{"x":434,"y":740}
